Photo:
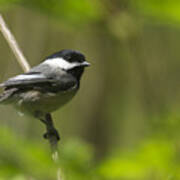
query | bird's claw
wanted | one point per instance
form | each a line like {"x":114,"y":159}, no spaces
{"x":52,"y":133}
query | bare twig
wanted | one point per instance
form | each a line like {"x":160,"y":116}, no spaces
{"x":13,"y":45}
{"x":53,"y":137}
{"x":26,"y":67}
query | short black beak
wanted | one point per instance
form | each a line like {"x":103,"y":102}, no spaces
{"x":85,"y":64}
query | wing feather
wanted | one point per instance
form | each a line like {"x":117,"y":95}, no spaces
{"x":35,"y":80}
{"x":26,"y":79}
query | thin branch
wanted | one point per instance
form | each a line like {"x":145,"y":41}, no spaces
{"x":13,"y":45}
{"x":53,"y":136}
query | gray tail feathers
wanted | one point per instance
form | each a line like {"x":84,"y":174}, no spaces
{"x":6,"y":95}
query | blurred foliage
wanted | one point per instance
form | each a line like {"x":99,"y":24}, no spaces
{"x":80,"y":11}
{"x":84,"y":11}
{"x":8,"y":2}
{"x":164,"y":10}
{"x":154,"y":159}
{"x":76,"y":12}
{"x":18,"y":156}
{"x":21,"y":160}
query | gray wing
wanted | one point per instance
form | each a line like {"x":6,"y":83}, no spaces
{"x":25,"y":79}
{"x":37,"y":79}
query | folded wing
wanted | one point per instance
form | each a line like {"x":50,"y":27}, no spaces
{"x":37,"y":80}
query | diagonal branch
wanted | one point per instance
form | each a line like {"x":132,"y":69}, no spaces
{"x":13,"y":45}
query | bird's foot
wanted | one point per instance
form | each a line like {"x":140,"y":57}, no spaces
{"x":52,"y":133}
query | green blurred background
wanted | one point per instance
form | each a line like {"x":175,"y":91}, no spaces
{"x":124,"y":124}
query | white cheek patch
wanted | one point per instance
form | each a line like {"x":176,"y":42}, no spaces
{"x":61,"y":63}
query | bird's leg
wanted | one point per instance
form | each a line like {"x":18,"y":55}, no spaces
{"x":52,"y":134}
{"x":51,"y":131}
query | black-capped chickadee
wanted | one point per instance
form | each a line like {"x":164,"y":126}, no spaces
{"x":46,"y":87}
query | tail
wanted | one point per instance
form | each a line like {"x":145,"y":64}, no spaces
{"x":6,"y":95}
{"x":1,"y":95}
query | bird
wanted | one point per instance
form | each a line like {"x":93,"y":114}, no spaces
{"x":46,"y":87}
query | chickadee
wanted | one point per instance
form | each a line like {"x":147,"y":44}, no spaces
{"x":46,"y":87}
